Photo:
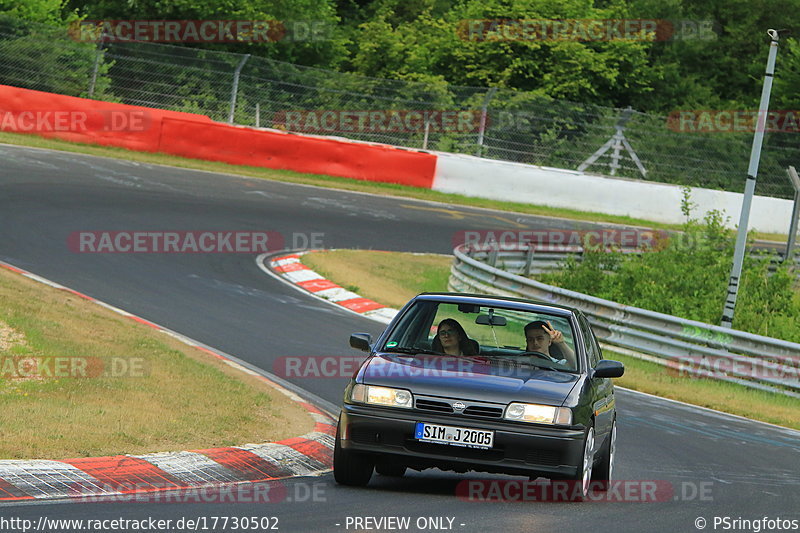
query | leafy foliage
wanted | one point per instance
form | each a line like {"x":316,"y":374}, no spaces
{"x":686,"y":275}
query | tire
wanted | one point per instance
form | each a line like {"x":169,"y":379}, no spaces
{"x":583,"y":474}
{"x":603,"y":472}
{"x":349,"y":467}
{"x":390,"y":470}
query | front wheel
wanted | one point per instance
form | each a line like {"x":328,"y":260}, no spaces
{"x":605,"y":466}
{"x":583,"y":474}
{"x":350,"y":467}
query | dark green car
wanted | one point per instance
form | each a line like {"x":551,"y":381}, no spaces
{"x":481,"y":383}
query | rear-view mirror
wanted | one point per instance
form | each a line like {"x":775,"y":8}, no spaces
{"x":490,"y":320}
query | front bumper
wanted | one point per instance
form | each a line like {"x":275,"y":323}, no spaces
{"x":388,"y":435}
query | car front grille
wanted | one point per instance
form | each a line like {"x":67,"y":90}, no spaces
{"x":484,"y":410}
{"x":433,"y":405}
{"x":445,"y":406}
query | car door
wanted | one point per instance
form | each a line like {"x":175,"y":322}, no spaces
{"x":602,"y":389}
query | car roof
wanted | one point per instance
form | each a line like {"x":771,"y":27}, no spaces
{"x":498,"y":301}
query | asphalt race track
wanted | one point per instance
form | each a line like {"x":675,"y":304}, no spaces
{"x":715,"y":465}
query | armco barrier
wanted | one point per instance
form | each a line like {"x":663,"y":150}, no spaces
{"x":198,"y":137}
{"x":144,"y":137}
{"x":246,"y":146}
{"x":690,"y":347}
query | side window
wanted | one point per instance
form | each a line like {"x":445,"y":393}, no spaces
{"x":592,"y":349}
{"x":597,"y":346}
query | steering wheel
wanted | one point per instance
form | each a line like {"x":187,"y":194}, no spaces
{"x":540,"y":355}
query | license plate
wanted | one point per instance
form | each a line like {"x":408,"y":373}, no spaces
{"x":471,"y":438}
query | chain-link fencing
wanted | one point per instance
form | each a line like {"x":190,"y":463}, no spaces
{"x":494,"y":123}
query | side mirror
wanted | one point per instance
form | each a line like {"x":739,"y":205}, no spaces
{"x":361,"y":341}
{"x":609,"y":369}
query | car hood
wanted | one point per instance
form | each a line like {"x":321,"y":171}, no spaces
{"x":469,"y":378}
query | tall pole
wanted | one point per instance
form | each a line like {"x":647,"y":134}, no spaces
{"x":235,"y":87}
{"x":795,"y":213}
{"x":750,"y":185}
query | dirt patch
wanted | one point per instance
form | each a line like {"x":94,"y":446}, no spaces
{"x":9,"y":337}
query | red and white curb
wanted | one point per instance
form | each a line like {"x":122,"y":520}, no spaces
{"x":291,"y":269}
{"x":307,"y":455}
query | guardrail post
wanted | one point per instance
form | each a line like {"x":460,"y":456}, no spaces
{"x":493,"y":251}
{"x":528,"y":260}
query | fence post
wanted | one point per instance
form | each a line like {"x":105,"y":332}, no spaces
{"x":235,"y":88}
{"x":258,"y":115}
{"x":484,"y":110}
{"x":795,"y":212}
{"x":427,"y":131}
{"x":98,"y":54}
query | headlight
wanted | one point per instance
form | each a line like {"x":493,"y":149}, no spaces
{"x":540,"y":414}
{"x":381,"y":396}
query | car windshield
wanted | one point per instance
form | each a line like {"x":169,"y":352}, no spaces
{"x":535,"y":338}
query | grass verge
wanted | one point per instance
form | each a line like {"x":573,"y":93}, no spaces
{"x":653,"y":378}
{"x":348,"y":184}
{"x":397,"y":277}
{"x":167,"y":396}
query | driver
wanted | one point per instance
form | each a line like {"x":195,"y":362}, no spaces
{"x":540,"y":336}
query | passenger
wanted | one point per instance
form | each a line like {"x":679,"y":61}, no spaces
{"x":540,"y":336}
{"x":452,"y":339}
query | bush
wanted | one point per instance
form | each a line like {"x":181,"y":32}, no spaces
{"x":686,"y":275}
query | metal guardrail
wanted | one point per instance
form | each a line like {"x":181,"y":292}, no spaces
{"x":685,"y":346}
{"x":538,"y":259}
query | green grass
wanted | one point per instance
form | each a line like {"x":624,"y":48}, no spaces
{"x":658,"y":380}
{"x":175,"y":398}
{"x":335,"y":182}
{"x":401,"y":276}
